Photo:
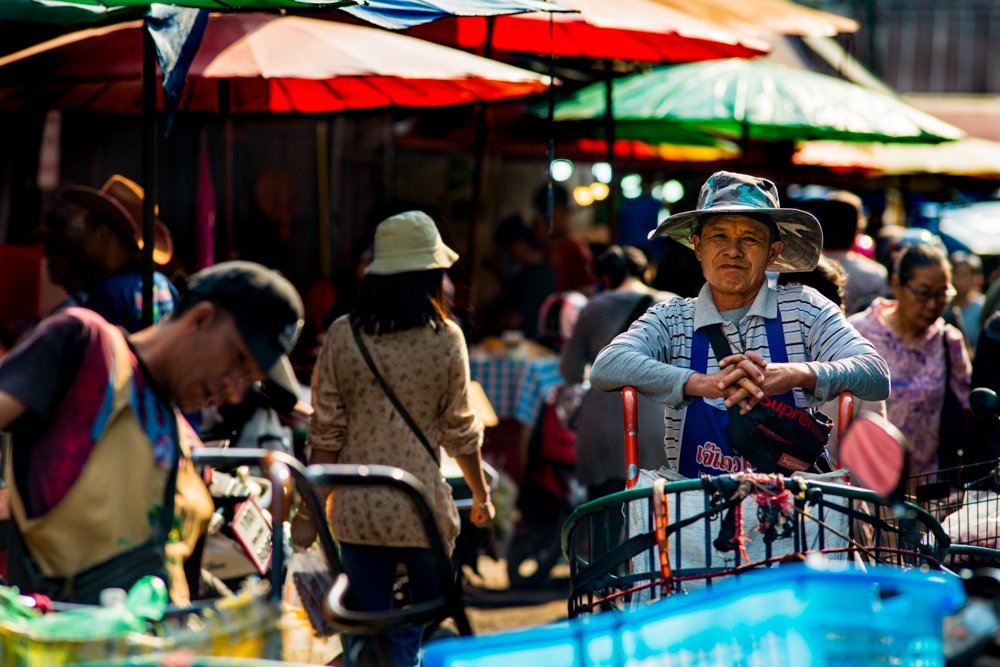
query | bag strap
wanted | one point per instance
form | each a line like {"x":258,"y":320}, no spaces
{"x":947,"y":361}
{"x":640,"y":307}
{"x":390,"y":393}
{"x":720,"y":346}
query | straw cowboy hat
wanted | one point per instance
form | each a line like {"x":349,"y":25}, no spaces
{"x":409,"y":241}
{"x":729,"y":193}
{"x":119,"y":205}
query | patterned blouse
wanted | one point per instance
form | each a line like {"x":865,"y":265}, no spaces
{"x":918,"y":368}
{"x":429,"y":372}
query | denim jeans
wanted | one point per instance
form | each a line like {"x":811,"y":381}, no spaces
{"x":372,"y":572}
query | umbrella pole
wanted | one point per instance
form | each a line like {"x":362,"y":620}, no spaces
{"x":744,"y":140}
{"x":227,"y":164}
{"x":609,"y":139}
{"x":323,"y":189}
{"x":464,"y":296}
{"x":148,"y":172}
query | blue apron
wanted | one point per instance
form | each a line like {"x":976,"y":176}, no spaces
{"x":705,"y":445}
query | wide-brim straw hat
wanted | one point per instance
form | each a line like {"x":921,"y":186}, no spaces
{"x":729,"y":193}
{"x":409,"y":241}
{"x":119,"y":204}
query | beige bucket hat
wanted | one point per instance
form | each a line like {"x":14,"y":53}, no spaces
{"x":409,"y":241}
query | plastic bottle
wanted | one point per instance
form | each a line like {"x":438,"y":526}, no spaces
{"x":118,"y":613}
{"x":14,"y":607}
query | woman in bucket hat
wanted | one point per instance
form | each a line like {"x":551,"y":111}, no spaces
{"x":787,"y":343}
{"x":402,"y":324}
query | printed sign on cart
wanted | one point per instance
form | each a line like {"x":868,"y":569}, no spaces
{"x":253,"y":532}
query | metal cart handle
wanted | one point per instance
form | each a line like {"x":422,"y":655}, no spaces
{"x":630,"y":418}
{"x":449,"y":604}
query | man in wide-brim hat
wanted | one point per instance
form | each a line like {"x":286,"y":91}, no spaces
{"x":99,"y":234}
{"x":787,"y":341}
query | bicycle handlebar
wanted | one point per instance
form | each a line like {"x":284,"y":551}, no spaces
{"x":630,"y":419}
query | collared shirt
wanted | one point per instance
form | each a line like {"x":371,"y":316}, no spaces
{"x":654,"y":355}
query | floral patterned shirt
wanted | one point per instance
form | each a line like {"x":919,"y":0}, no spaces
{"x":917,"y":379}
{"x":429,"y":372}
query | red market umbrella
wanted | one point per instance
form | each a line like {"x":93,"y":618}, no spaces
{"x":625,"y":30}
{"x":257,"y":64}
{"x":642,"y":30}
{"x":269,"y":63}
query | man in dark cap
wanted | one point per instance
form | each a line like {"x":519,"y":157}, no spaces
{"x":102,"y":489}
{"x":789,"y":343}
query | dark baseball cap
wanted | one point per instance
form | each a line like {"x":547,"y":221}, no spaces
{"x":267,"y":310}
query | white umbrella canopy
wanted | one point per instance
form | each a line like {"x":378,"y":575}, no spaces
{"x":765,"y":18}
{"x":976,"y":225}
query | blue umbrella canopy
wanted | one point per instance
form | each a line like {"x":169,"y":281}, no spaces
{"x":401,"y":14}
{"x":753,"y":99}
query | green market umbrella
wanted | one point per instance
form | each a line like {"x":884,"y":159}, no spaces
{"x":753,"y":100}
{"x":58,"y":12}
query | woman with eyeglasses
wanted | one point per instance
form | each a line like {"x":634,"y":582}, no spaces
{"x":930,"y":391}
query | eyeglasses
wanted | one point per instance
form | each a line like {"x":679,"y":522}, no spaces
{"x":923,"y":295}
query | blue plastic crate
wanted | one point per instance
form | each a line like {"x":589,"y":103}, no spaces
{"x":818,"y":614}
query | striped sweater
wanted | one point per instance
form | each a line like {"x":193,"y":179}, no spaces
{"x":654,"y":355}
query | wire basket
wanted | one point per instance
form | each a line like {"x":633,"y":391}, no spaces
{"x":965,"y":500}
{"x":639,"y":545}
{"x":243,"y":626}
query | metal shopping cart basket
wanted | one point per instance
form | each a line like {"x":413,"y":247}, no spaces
{"x":646,"y":543}
{"x":966,"y":502}
{"x":242,"y":626}
{"x":248,"y":625}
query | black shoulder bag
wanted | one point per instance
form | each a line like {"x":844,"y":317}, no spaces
{"x":775,"y":436}
{"x":952,"y":429}
{"x":391,"y":394}
{"x":641,"y":306}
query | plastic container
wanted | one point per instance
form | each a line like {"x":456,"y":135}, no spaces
{"x":816,"y":614}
